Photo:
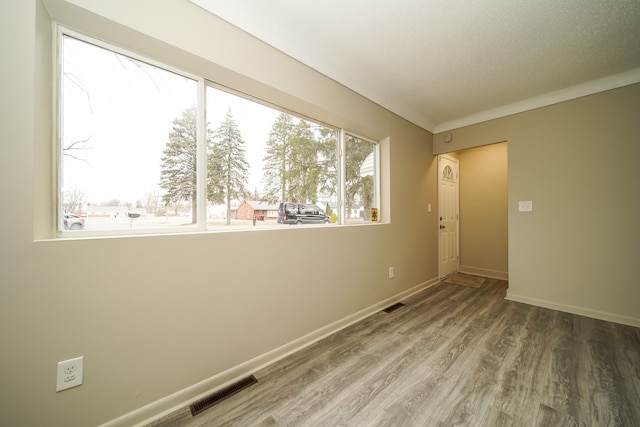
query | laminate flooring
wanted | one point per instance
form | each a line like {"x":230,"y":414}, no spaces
{"x":453,"y":355}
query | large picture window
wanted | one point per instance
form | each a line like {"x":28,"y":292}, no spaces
{"x":144,"y":148}
{"x":127,"y":141}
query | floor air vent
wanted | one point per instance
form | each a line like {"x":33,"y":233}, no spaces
{"x":217,"y":397}
{"x":393,"y":307}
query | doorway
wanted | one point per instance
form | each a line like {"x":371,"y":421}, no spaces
{"x":481,"y":243}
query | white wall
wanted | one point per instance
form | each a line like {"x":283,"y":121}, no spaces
{"x":159,"y":315}
{"x":578,"y":162}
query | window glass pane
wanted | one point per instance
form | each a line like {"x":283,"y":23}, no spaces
{"x":260,"y":159}
{"x":128,"y":134}
{"x":360,"y":179}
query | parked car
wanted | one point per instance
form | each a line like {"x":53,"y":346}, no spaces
{"x":301,"y":213}
{"x":73,"y":222}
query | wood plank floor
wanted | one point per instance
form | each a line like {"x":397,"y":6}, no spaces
{"x":453,"y":355}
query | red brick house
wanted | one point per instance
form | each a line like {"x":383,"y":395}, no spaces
{"x":262,"y":210}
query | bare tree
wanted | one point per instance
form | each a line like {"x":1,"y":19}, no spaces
{"x":73,"y":201}
{"x":72,"y":150}
{"x":152,"y":202}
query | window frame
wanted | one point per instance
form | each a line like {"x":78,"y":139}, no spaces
{"x":60,"y":31}
{"x":376,"y":178}
{"x":247,"y":97}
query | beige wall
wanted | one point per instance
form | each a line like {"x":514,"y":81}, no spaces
{"x":483,"y":211}
{"x":161,"y":319}
{"x":155,"y":316}
{"x":578,"y":162}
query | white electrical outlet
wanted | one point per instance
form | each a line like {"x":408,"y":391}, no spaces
{"x":391,"y":272}
{"x":525,"y":206}
{"x":69,"y":373}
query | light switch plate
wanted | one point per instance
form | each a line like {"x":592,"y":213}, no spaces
{"x":525,"y":206}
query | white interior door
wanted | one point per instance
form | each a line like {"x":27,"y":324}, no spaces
{"x":448,"y":213}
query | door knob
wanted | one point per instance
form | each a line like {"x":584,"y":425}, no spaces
{"x":441,"y":227}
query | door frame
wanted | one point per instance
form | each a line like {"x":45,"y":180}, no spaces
{"x":457,"y":210}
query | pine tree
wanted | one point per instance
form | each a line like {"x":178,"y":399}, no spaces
{"x":327,"y":151}
{"x":227,"y":165}
{"x":300,"y":161}
{"x":358,"y":189}
{"x":304,"y":173}
{"x":277,"y":160}
{"x":178,"y":175}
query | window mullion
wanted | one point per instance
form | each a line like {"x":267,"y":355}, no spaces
{"x":341,"y":176}
{"x":201,"y":144}
{"x":377,"y":191}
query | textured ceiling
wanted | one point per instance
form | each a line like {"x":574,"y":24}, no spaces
{"x":447,"y":63}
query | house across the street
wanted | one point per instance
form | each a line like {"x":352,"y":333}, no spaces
{"x":262,"y":210}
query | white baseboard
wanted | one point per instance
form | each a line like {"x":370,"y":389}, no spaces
{"x":493,"y":274}
{"x":582,"y":311}
{"x":183,"y":398}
